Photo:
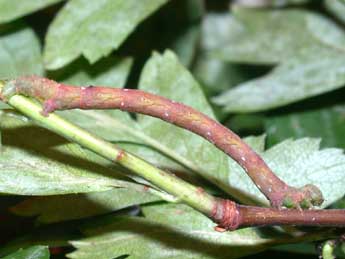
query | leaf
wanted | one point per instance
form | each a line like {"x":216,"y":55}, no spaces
{"x":337,"y":8}
{"x":19,"y":53}
{"x":273,"y":36}
{"x":67,"y":207}
{"x":93,"y":29}
{"x":300,"y":75}
{"x":170,"y":231}
{"x":292,"y":81}
{"x":164,"y":238}
{"x":214,"y":74}
{"x":34,"y":252}
{"x":10,"y":10}
{"x":325,"y":123}
{"x":297,"y":162}
{"x":46,"y":165}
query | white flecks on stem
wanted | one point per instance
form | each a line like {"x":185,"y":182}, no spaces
{"x":122,"y":104}
{"x":259,"y":186}
{"x":270,"y":189}
{"x":166,"y":114}
{"x":125,"y":89}
{"x":83,"y":88}
{"x":243,"y":158}
{"x":209,"y":134}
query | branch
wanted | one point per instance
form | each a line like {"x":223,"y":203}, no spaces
{"x":58,"y":96}
{"x":226,"y":213}
{"x":231,"y":216}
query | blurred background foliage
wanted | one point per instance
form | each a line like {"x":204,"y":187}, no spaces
{"x":273,"y":67}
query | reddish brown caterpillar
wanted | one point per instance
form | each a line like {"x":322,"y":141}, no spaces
{"x":56,"y":96}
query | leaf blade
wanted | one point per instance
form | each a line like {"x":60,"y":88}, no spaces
{"x":301,"y":73}
{"x":86,"y":28}
{"x":34,"y":252}
{"x":292,"y":81}
{"x":10,"y":10}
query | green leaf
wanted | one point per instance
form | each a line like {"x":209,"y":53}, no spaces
{"x":326,"y":123}
{"x":67,"y":207}
{"x":26,"y":173}
{"x":34,"y":252}
{"x":170,"y":231}
{"x":46,"y":165}
{"x":19,"y":51}
{"x":93,"y":29}
{"x":297,"y":162}
{"x":294,"y":80}
{"x":10,"y":10}
{"x":273,"y":36}
{"x":337,"y":8}
{"x":36,"y":162}
{"x":214,"y":74}
{"x":270,"y":37}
